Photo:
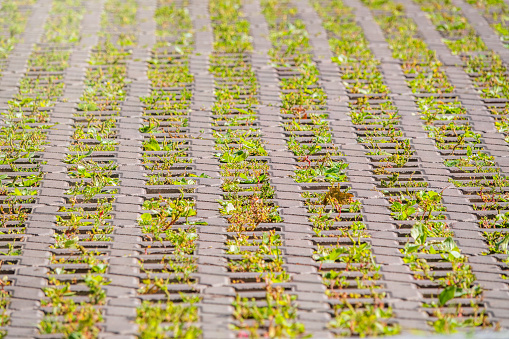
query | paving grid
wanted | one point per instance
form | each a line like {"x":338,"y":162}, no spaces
{"x":122,"y":184}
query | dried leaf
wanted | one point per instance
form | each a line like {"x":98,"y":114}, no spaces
{"x":335,"y":196}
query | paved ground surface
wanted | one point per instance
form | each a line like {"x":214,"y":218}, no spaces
{"x":164,"y":162}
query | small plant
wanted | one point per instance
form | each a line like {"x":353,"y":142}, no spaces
{"x":364,"y":320}
{"x":276,"y":318}
{"x":178,"y":317}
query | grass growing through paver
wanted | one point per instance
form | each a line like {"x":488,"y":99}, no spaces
{"x":254,"y":245}
{"x":343,"y":256}
{"x":77,"y":265}
{"x":377,"y":121}
{"x":15,"y":14}
{"x":382,"y":133}
{"x":457,"y":142}
{"x":169,"y":300}
{"x":163,"y":310}
{"x":23,"y":134}
{"x":26,"y":123}
{"x":484,"y":66}
{"x":484,"y":184}
{"x":496,"y":12}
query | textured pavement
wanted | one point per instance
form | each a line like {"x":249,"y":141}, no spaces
{"x":29,"y":270}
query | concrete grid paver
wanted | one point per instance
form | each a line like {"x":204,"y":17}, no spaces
{"x":213,"y":280}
